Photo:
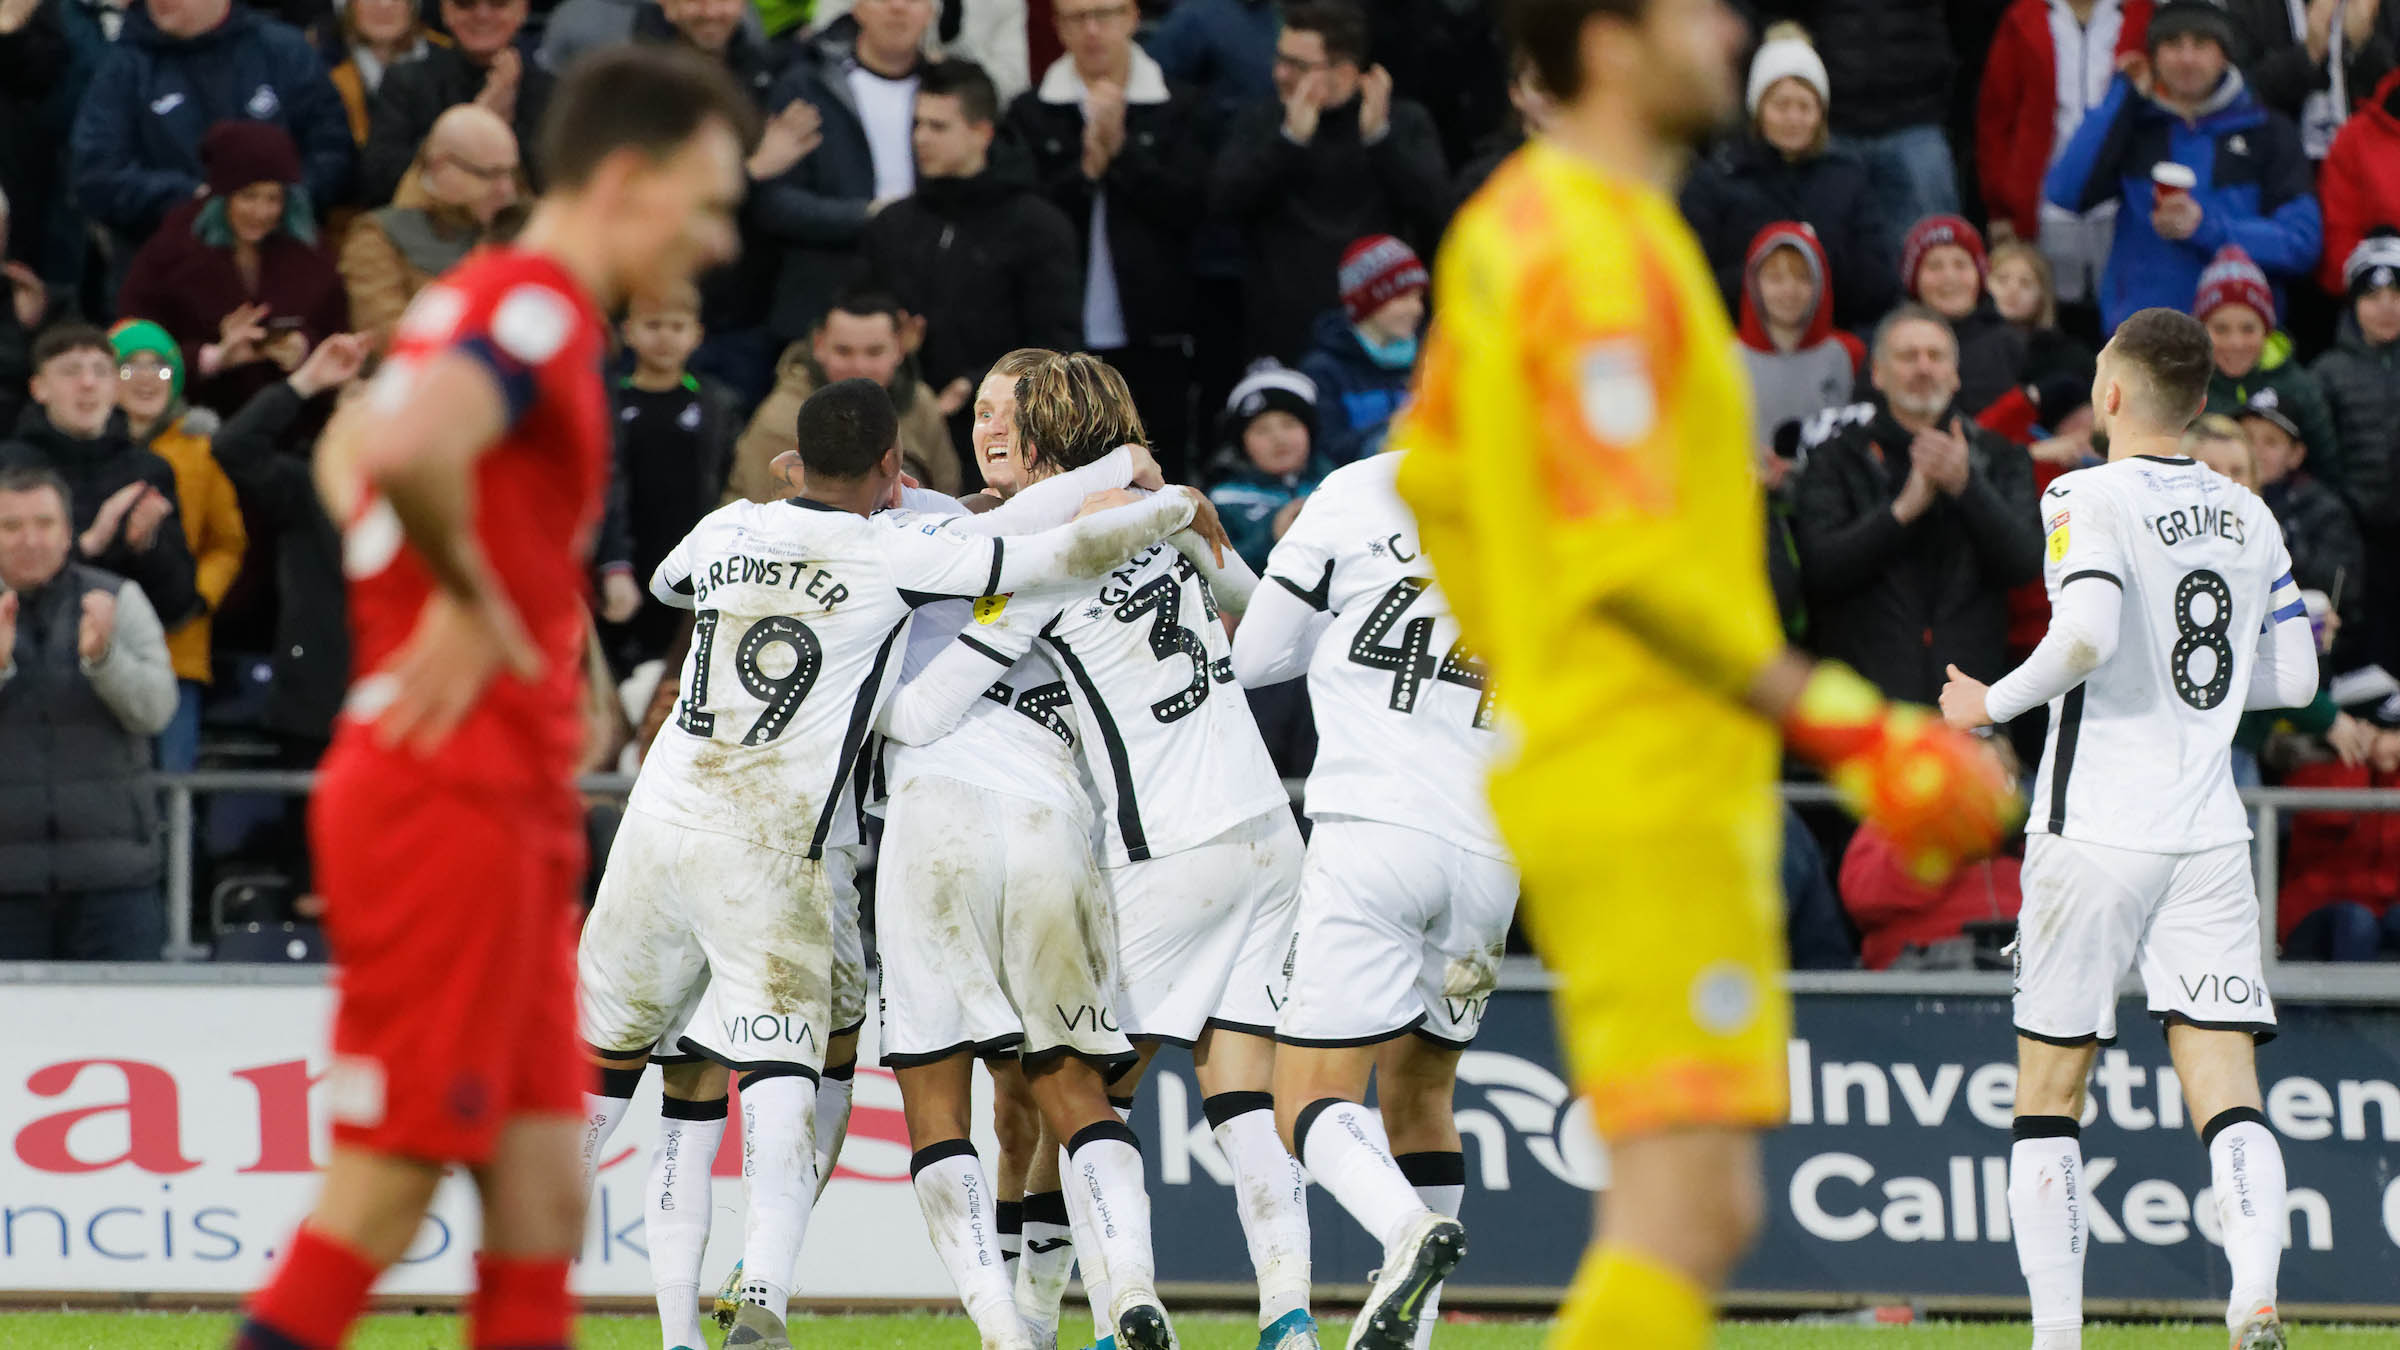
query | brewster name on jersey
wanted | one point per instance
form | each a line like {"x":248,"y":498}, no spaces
{"x":740,"y":569}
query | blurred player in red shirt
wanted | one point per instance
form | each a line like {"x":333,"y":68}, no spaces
{"x":447,"y":835}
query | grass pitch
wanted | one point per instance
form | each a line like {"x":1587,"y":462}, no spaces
{"x":210,"y":1331}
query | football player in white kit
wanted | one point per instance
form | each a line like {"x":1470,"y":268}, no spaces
{"x":730,"y":865}
{"x":1199,"y":849}
{"x":999,"y":943}
{"x":1406,"y":898}
{"x":2172,"y":610}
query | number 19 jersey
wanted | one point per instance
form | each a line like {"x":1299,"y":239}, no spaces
{"x":796,"y":642}
{"x":2138,"y":755}
{"x":1404,"y":711}
{"x":1166,"y":733}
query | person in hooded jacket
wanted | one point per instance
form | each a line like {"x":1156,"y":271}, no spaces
{"x":238,"y":276}
{"x":179,"y":68}
{"x":150,"y":391}
{"x":122,"y":496}
{"x":1799,"y":364}
{"x":1780,"y":168}
{"x":1270,"y":461}
{"x":975,"y":251}
{"x":1364,"y":353}
{"x":1944,"y":267}
{"x":2356,"y":185}
{"x":2361,"y":380}
{"x":2184,"y":104}
{"x":2254,"y":359}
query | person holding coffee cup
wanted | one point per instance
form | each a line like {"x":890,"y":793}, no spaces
{"x":2196,"y":161}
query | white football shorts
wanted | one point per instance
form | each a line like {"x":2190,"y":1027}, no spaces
{"x":1202,"y":933}
{"x":2187,"y":921}
{"x":1399,"y":931}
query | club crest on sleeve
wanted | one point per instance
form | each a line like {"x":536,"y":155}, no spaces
{"x":1619,"y":405}
{"x":532,"y":323}
{"x":989,"y":609}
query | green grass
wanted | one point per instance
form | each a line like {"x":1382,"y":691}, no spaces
{"x":209,"y":1331}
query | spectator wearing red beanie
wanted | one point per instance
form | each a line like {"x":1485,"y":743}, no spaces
{"x":1362,"y":354}
{"x":1943,"y":265}
{"x":2238,"y":306}
{"x":237,"y":276}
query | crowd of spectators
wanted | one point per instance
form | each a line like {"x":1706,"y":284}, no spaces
{"x":1924,"y":225}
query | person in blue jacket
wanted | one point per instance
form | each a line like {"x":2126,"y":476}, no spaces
{"x":179,"y":68}
{"x":1361,"y":356}
{"x":2185,"y":104}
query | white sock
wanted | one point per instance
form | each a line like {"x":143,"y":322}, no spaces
{"x":1440,"y":1180}
{"x":1048,"y":1258}
{"x":956,"y":1196}
{"x":1096,"y":1290}
{"x":1104,"y":1173}
{"x":2245,"y":1165}
{"x":1346,"y":1154}
{"x":1272,"y":1196}
{"x":779,"y":1162}
{"x":833,"y":1121}
{"x":2045,"y":1213}
{"x":601,"y":1113}
{"x":676,"y":1212}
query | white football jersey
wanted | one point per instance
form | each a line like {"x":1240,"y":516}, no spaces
{"x":2138,"y":753}
{"x":801,"y":608}
{"x":1164,"y":731}
{"x":1404,"y":713}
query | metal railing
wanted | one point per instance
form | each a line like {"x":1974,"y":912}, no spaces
{"x":2267,"y":806}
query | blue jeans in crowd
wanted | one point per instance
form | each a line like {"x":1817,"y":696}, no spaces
{"x":112,"y":925}
{"x":179,"y":743}
{"x":1910,"y":176}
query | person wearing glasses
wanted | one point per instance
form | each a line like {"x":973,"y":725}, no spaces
{"x":482,"y":67}
{"x":1115,"y":147}
{"x":465,"y":174}
{"x":150,"y":393}
{"x":1333,"y":159}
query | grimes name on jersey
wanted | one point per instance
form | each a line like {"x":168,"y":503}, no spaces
{"x":2197,"y":522}
{"x":740,"y":569}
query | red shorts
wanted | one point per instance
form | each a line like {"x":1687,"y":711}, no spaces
{"x":452,"y":915}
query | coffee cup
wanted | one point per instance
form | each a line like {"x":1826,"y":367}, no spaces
{"x":2169,"y":179}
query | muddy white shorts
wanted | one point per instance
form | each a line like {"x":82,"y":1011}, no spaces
{"x":682,"y":912}
{"x":2187,"y":921}
{"x":1399,"y":931}
{"x":1202,"y":934}
{"x":992,"y":930}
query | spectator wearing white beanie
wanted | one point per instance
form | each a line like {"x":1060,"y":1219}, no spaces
{"x":1784,"y":169}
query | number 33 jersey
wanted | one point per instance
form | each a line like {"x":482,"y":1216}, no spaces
{"x":2139,"y":754}
{"x":1166,"y":734}
{"x":1404,"y":712}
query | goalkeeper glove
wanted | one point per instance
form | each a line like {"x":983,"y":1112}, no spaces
{"x":1930,"y":788}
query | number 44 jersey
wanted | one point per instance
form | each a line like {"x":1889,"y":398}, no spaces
{"x":1404,"y":712}
{"x":2139,"y":754}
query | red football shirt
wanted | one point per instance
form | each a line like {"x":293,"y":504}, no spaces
{"x":538,"y":496}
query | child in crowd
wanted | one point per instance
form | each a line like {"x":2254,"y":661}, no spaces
{"x":150,"y":391}
{"x":1943,"y":266}
{"x":1269,"y":464}
{"x":2238,"y":307}
{"x":2026,"y":297}
{"x":2327,"y":554}
{"x":1363,"y":353}
{"x":1798,"y":364}
{"x":674,"y":448}
{"x":2360,"y":377}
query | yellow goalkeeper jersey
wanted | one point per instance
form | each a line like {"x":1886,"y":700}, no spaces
{"x":1580,"y":468}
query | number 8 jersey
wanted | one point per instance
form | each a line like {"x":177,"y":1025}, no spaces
{"x":2138,"y":754}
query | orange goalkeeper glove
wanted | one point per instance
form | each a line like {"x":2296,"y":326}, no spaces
{"x":1933,"y":790}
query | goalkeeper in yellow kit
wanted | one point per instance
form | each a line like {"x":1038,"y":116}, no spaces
{"x":1580,"y":466}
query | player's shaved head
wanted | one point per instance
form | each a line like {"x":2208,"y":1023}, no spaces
{"x":845,"y":430}
{"x":1072,"y":410}
{"x":2153,"y":375}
